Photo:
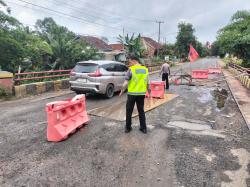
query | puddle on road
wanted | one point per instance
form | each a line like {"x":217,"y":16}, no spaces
{"x":196,"y":128}
{"x":220,"y":96}
{"x":188,"y":125}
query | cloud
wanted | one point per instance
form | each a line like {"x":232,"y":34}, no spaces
{"x":134,"y":16}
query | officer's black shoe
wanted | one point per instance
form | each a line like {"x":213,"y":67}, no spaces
{"x":127,"y":130}
{"x":143,"y":131}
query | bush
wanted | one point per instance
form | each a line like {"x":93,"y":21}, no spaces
{"x":156,"y":59}
{"x":233,"y":60}
{"x":2,"y":93}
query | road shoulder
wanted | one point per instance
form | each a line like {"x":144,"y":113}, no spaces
{"x":241,"y":95}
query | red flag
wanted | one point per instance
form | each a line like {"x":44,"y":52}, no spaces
{"x":193,"y":55}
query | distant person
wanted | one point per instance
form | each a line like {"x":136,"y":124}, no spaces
{"x":137,"y":83}
{"x":164,"y":73}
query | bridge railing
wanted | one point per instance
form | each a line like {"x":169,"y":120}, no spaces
{"x":240,"y":68}
{"x":41,"y":75}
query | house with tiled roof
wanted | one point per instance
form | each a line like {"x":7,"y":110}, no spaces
{"x":109,"y":52}
{"x":118,"y":51}
{"x":117,"y":47}
{"x":151,"y":46}
{"x":97,"y":43}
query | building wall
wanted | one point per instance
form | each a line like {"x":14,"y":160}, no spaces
{"x":6,"y":82}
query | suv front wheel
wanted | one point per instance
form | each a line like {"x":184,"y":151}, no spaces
{"x":109,"y":91}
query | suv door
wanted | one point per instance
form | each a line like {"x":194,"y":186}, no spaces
{"x":108,"y":73}
{"x":120,"y":72}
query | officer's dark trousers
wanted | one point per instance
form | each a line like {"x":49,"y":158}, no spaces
{"x":139,"y":100}
{"x":165,"y":78}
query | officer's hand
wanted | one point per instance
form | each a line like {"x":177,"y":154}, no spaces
{"x":121,"y":93}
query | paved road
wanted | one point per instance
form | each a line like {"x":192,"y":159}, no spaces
{"x":198,"y":139}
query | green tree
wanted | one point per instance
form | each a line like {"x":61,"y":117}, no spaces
{"x":18,"y":45}
{"x":168,"y":50}
{"x":184,"y":38}
{"x":235,"y":37}
{"x":10,"y":52}
{"x":67,"y":47}
{"x":201,"y":49}
{"x":7,"y":21}
{"x":216,"y":50}
{"x":35,"y":50}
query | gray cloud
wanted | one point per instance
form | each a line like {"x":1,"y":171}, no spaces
{"x":207,"y":17}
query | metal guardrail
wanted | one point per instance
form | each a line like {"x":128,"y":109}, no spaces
{"x":40,"y":75}
{"x":19,"y":77}
{"x":240,"y":68}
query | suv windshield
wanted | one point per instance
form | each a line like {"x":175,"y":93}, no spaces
{"x":86,"y":68}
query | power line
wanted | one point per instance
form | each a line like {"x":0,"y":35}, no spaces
{"x":68,"y":15}
{"x":55,"y":12}
{"x":47,"y":12}
{"x":94,"y":7}
{"x":128,"y":17}
{"x":80,"y":10}
{"x":88,"y":13}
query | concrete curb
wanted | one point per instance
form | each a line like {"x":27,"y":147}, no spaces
{"x":40,"y":87}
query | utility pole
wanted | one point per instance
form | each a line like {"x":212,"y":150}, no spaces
{"x":123,"y":37}
{"x":159,"y":32}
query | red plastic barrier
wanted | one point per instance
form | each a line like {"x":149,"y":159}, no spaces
{"x":214,"y":70}
{"x":64,"y":117}
{"x":176,"y":82}
{"x":157,"y":89}
{"x":200,"y":74}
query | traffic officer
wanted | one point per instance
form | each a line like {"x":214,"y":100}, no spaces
{"x":136,"y":82}
{"x":164,"y":73}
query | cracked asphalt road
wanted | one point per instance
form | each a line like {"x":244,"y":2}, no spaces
{"x":192,"y":141}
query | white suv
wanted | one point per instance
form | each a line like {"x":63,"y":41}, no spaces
{"x":103,"y":77}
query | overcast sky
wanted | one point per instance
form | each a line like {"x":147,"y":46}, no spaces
{"x":108,"y":18}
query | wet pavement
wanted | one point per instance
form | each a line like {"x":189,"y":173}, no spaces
{"x":193,"y":140}
{"x":220,"y":96}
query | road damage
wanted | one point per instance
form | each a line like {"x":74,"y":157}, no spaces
{"x":192,"y":141}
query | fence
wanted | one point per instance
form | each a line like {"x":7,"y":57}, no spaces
{"x":19,"y":77}
{"x":240,"y":68}
{"x":242,"y":73}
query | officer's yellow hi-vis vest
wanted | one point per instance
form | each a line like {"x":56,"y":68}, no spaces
{"x":138,"y":83}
